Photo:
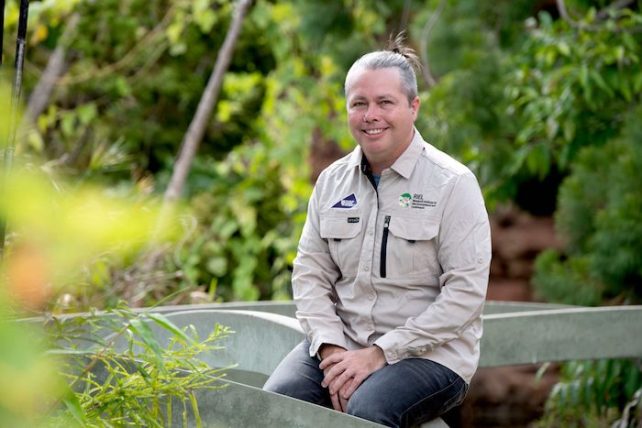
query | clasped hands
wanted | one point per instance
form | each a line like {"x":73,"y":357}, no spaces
{"x":345,"y":370}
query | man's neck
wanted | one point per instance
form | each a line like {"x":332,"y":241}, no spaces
{"x":377,"y":168}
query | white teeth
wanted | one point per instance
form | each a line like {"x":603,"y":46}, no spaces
{"x":374,"y":131}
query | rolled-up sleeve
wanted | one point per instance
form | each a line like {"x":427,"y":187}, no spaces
{"x":464,"y":253}
{"x":313,"y":277}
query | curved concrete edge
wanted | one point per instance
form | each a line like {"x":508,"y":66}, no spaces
{"x":280,"y":307}
{"x":257,"y":343}
{"x":238,"y":405}
{"x":273,"y":318}
{"x":561,"y":334}
{"x":232,"y":404}
{"x":288,"y":309}
{"x":516,"y":334}
{"x":500,"y":307}
{"x":260,"y":340}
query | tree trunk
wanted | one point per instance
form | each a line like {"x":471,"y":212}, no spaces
{"x":135,"y":293}
{"x":196,"y":129}
{"x":39,"y":98}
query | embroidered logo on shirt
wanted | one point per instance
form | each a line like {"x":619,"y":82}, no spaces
{"x":347,"y":202}
{"x":415,"y":201}
{"x":405,"y":199}
{"x":353,"y":219}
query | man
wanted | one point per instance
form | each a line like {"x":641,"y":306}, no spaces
{"x":392,"y":267}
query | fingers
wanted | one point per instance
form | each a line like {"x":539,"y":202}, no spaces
{"x":337,"y":383}
{"x":350,"y":387}
{"x":344,"y":403}
{"x":330,"y":360}
{"x":345,"y":371}
{"x":341,"y":389}
{"x":331,"y":373}
{"x":336,"y":402}
{"x":340,"y":400}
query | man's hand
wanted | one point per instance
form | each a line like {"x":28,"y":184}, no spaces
{"x":345,"y":371}
{"x":325,"y":351}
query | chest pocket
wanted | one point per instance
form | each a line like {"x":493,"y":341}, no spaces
{"x":412,"y":247}
{"x":343,"y":233}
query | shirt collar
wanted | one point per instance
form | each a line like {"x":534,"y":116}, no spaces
{"x":355,"y":157}
{"x":403,"y":165}
{"x":408,"y":159}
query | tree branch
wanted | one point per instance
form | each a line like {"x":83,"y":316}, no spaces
{"x":196,"y":129}
{"x":561,"y":8}
{"x":600,"y":16}
{"x":55,"y":66}
{"x":425,"y":37}
{"x":192,"y":139}
{"x":616,"y":5}
{"x":405,"y":15}
{"x":151,"y":38}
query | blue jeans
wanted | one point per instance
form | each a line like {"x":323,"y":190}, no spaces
{"x":404,"y":394}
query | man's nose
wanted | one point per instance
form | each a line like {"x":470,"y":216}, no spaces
{"x":371,"y":114}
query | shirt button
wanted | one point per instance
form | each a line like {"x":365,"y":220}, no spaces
{"x":366,"y":268}
{"x":370,"y":233}
{"x":371,"y":296}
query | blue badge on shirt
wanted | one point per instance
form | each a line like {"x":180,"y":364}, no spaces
{"x":347,"y":202}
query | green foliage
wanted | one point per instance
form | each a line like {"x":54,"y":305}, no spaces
{"x":28,"y":376}
{"x":60,"y":231}
{"x":518,"y":108}
{"x":592,"y":393}
{"x":243,"y":236}
{"x":127,"y":84}
{"x":600,"y":210}
{"x":519,"y":95}
{"x":139,"y":385}
{"x":600,"y":213}
{"x":249,"y":208}
{"x":566,"y":281}
{"x":568,"y":83}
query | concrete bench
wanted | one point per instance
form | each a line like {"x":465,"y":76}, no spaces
{"x":515,"y":333}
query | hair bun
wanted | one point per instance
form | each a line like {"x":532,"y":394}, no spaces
{"x":397,"y":46}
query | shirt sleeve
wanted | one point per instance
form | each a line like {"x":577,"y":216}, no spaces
{"x":464,"y":253}
{"x":313,"y":276}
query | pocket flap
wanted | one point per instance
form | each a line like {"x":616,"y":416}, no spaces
{"x":340,"y":227}
{"x":414,"y":229}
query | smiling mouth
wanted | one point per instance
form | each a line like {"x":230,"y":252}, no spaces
{"x":374,"y":131}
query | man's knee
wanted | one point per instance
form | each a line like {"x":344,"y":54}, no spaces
{"x":299,"y":386}
{"x":371,"y":407}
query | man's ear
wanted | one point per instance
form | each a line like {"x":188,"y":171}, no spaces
{"x":414,"y":106}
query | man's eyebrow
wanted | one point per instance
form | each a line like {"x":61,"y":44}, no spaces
{"x":378,"y":97}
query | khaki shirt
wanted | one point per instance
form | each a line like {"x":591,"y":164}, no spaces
{"x":404,"y":266}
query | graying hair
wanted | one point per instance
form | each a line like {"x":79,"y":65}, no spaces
{"x":396,"y":56}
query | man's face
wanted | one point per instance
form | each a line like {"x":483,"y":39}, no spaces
{"x":380,"y":117}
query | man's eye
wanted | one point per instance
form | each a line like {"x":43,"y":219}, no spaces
{"x":358,"y":104}
{"x":386,"y":102}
